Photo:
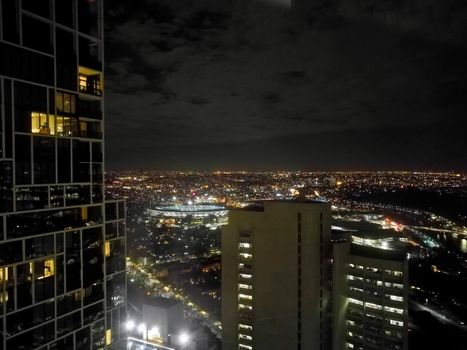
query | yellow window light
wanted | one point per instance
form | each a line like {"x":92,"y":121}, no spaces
{"x":107,"y":248}
{"x":108,"y":337}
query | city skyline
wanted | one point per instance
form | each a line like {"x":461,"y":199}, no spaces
{"x":251,"y":85}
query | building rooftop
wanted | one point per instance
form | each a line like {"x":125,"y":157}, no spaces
{"x":378,"y":253}
{"x":161,"y":302}
{"x":259,"y":206}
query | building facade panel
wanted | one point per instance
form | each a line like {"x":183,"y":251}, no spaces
{"x":62,"y":275}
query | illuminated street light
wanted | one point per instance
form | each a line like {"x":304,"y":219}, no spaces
{"x":129,"y":325}
{"x":184,"y":338}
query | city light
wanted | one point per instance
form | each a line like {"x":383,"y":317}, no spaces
{"x":184,"y":338}
{"x":129,"y":325}
{"x":142,"y":328}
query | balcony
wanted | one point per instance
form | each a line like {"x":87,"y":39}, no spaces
{"x":90,"y":109}
{"x":89,"y":81}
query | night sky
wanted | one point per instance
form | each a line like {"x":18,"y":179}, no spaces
{"x":262,"y":85}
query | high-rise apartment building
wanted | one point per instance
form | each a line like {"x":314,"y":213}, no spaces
{"x":62,"y":247}
{"x":370,"y":298}
{"x":275,"y":273}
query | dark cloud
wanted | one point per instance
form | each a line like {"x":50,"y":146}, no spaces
{"x":228,"y":75}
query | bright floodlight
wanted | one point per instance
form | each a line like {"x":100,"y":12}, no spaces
{"x":129,"y":325}
{"x":184,"y":338}
{"x":142,"y":328}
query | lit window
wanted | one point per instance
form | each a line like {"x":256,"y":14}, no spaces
{"x":246,"y":255}
{"x":243,"y":346}
{"x":396,"y":323}
{"x":3,"y":297}
{"x":396,"y":298}
{"x":244,"y":336}
{"x":245,"y":296}
{"x":393,"y":309}
{"x":374,"y":306}
{"x":84,"y":213}
{"x":41,"y":123}
{"x":108,"y":337}
{"x":244,"y":245}
{"x":243,"y":306}
{"x":244,"y":326}
{"x":49,"y":267}
{"x":245,"y":286}
{"x":3,"y":274}
{"x":64,"y":126}
{"x":107,"y":248}
{"x":355,"y":301}
{"x":244,"y":275}
{"x":83,"y":82}
{"x":350,"y":345}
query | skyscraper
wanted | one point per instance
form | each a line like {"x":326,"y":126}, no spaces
{"x":62,"y":247}
{"x":275,"y":273}
{"x":370,"y":297}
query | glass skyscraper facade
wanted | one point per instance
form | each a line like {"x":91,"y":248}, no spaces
{"x":62,"y":246}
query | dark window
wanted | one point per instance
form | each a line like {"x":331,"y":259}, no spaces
{"x":93,"y":313}
{"x":11,"y":252}
{"x":83,"y":339}
{"x":66,"y":343}
{"x":39,"y":7}
{"x":88,"y":17}
{"x":68,"y":303}
{"x":66,"y":60}
{"x":72,"y":260}
{"x":10,"y":21}
{"x":81,"y":159}
{"x":33,"y":338}
{"x":56,"y":196}
{"x":40,"y":246}
{"x":89,"y":54}
{"x":44,"y":160}
{"x":121,"y":210}
{"x":6,"y":185}
{"x":97,"y":194}
{"x":89,"y":109}
{"x":29,"y":198}
{"x":24,"y":64}
{"x":23,"y":159}
{"x":37,"y":34}
{"x":69,"y":323}
{"x":115,"y":256}
{"x":64,"y":12}
{"x":93,"y":293}
{"x":97,"y":172}
{"x":22,"y":320}
{"x":77,"y":194}
{"x":64,"y":160}
{"x":24,"y":285}
{"x":110,"y":211}
{"x":96,"y":152}
{"x":28,"y":99}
